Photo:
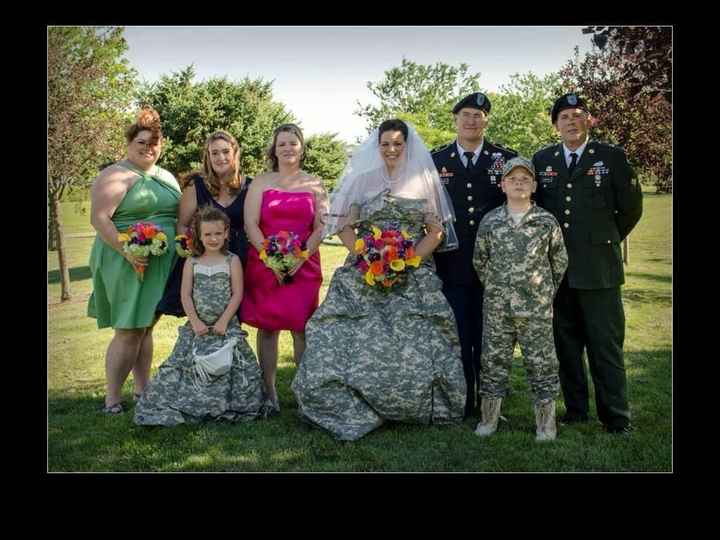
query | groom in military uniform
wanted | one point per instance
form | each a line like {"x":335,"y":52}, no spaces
{"x":593,"y":192}
{"x":471,"y":169}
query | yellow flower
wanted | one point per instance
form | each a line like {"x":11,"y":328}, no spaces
{"x":415,"y":261}
{"x":359,"y":245}
{"x":405,"y":234}
{"x":122,"y":237}
{"x":161,"y":236}
{"x":304,"y":254}
{"x":262,"y":254}
{"x":369,"y":278}
{"x":376,"y":232}
{"x":398,"y":265}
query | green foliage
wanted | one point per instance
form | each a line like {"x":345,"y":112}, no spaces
{"x":432,"y":136}
{"x":325,"y":156}
{"x":429,"y":92}
{"x":191,"y":111}
{"x":519,"y":116}
{"x":90,"y":86}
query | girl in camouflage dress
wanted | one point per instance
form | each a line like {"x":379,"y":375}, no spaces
{"x":211,"y":292}
{"x":377,"y":354}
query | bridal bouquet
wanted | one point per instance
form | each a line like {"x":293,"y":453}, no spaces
{"x":384,"y":256}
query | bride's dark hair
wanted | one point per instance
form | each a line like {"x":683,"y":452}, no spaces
{"x":393,"y":124}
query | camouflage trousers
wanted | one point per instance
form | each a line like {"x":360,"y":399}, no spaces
{"x":535,"y":335}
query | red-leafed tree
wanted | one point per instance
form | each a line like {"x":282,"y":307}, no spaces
{"x":627,"y":83}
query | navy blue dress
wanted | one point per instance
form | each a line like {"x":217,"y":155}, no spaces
{"x":170,"y":303}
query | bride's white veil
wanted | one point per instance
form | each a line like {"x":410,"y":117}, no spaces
{"x":365,"y":176}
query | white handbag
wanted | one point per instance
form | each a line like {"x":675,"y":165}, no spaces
{"x":215,"y":364}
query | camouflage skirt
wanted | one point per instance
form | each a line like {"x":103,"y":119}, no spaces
{"x":175,"y":395}
{"x":373,"y":357}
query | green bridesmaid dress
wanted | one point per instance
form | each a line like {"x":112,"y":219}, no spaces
{"x":119,"y":299}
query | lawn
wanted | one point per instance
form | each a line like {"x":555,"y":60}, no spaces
{"x":81,"y":439}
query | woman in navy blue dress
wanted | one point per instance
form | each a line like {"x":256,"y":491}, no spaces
{"x":222,"y":186}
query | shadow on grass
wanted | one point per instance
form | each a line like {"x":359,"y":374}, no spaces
{"x":659,"y":298}
{"x":78,"y":273}
{"x":653,"y":277}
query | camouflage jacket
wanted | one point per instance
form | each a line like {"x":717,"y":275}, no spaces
{"x":521,"y":265}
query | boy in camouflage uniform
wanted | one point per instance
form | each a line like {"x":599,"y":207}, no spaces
{"x":520,"y":259}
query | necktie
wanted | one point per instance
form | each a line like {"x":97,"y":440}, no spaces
{"x":469,"y":156}
{"x":573,"y":162}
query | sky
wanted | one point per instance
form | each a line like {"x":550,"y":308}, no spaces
{"x":321,"y":73}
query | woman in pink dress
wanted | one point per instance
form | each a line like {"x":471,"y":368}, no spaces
{"x":286,"y":199}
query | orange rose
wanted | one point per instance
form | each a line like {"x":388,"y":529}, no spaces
{"x":377,"y":268}
{"x":410,"y":252}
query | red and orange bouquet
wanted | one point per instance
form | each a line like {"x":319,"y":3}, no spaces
{"x":282,"y":252}
{"x":383,"y":257}
{"x":142,"y":240}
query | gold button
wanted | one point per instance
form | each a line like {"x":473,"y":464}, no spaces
{"x":566,"y":225}
{"x":567,"y":212}
{"x":568,"y":199}
{"x":569,"y":185}
{"x":471,"y":209}
{"x":472,"y":222}
{"x":469,"y":197}
{"x":469,"y":185}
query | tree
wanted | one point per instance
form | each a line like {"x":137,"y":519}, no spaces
{"x":640,"y":122}
{"x":90,"y":88}
{"x":191,"y":111}
{"x":325,"y":156}
{"x":519,"y":116}
{"x":429,"y":92}
{"x":644,"y":54}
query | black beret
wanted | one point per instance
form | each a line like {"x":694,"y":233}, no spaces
{"x":568,"y":101}
{"x":477,"y":100}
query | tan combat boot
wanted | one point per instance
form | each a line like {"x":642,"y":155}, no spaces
{"x":545,"y":421}
{"x":490,"y":408}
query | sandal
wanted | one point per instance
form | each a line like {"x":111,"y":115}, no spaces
{"x":112,"y":410}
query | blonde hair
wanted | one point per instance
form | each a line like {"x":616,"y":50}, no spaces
{"x":212,"y":182}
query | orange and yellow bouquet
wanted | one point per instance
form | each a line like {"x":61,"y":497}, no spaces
{"x":142,"y":240}
{"x":383,"y":257}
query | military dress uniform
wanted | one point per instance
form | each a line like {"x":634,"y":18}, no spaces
{"x":520,"y":266}
{"x":597,"y":206}
{"x":474,"y":193}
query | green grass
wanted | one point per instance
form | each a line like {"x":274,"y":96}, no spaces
{"x":81,"y":439}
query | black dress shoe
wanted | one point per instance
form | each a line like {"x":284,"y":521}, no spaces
{"x":573,"y":419}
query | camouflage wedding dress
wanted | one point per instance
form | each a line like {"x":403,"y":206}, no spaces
{"x":375,"y":356}
{"x":176,"y":394}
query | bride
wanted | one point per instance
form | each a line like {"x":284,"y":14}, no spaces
{"x":383,"y":346}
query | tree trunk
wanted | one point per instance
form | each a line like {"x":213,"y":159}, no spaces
{"x":52,"y":219}
{"x":62,"y":260}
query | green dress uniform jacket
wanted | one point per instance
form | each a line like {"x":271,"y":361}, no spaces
{"x":596,"y":207}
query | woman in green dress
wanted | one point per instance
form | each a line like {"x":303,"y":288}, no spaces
{"x":132,"y":190}
{"x":379,"y":352}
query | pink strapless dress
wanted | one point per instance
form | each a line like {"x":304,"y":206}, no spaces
{"x":267,"y":304}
